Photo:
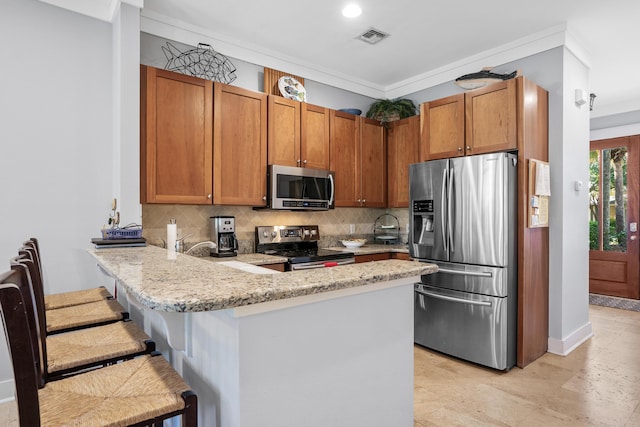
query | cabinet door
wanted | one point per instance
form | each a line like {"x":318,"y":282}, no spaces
{"x":283,"y":131}
{"x":314,"y":144}
{"x":442,"y":128}
{"x":239,"y":146}
{"x":403,"y":144}
{"x":344,"y":155}
{"x":373,"y":158}
{"x":491,"y":118}
{"x":175,"y":138}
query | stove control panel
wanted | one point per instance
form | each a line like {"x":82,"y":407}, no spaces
{"x":286,"y":233}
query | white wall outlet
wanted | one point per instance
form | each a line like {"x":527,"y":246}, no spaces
{"x":352,"y":228}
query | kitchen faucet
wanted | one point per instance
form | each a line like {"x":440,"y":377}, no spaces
{"x":207,"y":243}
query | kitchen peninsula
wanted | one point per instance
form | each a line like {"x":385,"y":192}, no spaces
{"x":331,"y":346}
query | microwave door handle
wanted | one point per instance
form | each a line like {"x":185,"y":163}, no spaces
{"x":443,"y":210}
{"x":333,"y":189}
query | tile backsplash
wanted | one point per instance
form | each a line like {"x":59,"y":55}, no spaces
{"x":194,"y":219}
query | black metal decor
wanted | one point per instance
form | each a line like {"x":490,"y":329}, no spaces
{"x":202,"y":61}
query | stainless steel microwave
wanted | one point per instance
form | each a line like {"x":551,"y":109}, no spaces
{"x":294,"y":188}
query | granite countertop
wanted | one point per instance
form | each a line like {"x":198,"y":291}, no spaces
{"x":372,"y":249}
{"x":191,"y":284}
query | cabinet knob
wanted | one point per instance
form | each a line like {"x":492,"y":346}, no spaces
{"x":208,"y":196}
{"x":298,"y":161}
{"x":305,"y":162}
{"x":364,"y":201}
{"x":459,"y":148}
{"x":468,"y":148}
{"x":264,"y":198}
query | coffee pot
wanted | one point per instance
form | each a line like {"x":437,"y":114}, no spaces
{"x":223,"y":234}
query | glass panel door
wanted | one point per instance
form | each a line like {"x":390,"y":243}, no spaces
{"x":608,"y":199}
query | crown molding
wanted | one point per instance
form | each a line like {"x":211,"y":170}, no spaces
{"x":179,"y":31}
{"x":104,"y":10}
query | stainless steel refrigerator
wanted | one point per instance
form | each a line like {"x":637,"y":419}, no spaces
{"x":463,"y":218}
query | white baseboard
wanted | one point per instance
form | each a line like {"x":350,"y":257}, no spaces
{"x":7,"y":392}
{"x":566,"y":345}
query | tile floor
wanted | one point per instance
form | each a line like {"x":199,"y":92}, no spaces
{"x":598,"y":384}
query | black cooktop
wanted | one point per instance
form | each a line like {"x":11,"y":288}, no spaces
{"x":302,"y":252}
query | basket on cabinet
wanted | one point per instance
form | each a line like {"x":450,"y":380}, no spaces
{"x":122,"y":233}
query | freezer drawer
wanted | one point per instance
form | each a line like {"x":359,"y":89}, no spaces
{"x":468,"y":326}
{"x":477,"y":279}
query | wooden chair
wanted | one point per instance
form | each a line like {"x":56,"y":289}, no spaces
{"x":68,"y":299}
{"x":68,"y":353}
{"x":74,"y":317}
{"x":140,"y":391}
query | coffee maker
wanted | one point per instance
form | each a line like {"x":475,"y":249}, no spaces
{"x":223,"y":234}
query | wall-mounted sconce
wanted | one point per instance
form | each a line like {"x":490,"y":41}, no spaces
{"x":592,"y":97}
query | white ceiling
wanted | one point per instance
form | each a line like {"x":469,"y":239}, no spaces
{"x":427,"y":37}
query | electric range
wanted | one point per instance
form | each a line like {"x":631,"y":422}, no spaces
{"x":299,"y":244}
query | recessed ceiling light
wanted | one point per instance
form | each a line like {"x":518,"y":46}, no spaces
{"x":351,"y":11}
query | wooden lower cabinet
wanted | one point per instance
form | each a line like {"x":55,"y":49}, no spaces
{"x":278,"y":266}
{"x":372,"y":257}
{"x":400,"y":255}
{"x":239,"y":146}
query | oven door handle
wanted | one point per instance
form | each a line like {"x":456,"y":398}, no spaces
{"x":295,"y":267}
{"x":452,"y":299}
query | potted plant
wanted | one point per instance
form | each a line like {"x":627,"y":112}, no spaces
{"x":386,"y":110}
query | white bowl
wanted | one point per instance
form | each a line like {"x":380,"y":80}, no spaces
{"x":354,"y":243}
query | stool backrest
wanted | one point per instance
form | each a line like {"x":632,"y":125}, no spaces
{"x":16,"y":326}
{"x":35,"y":311}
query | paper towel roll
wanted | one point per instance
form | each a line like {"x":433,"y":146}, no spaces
{"x":172,"y":235}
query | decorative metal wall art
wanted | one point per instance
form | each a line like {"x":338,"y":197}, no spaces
{"x":202,"y":61}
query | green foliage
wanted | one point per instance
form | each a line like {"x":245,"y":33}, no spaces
{"x":617,"y":241}
{"x":386,"y":110}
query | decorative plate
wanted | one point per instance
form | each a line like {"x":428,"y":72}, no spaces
{"x":290,"y":88}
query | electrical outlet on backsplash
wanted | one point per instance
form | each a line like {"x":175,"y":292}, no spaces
{"x":193,"y":220}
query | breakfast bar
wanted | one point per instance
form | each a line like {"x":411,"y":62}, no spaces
{"x":330,"y":346}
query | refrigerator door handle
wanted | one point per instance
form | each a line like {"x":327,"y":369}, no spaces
{"x":453,"y":299}
{"x":443,"y":209}
{"x":449,"y":209}
{"x":487,"y":274}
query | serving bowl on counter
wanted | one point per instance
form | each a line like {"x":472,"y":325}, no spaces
{"x":353,"y":243}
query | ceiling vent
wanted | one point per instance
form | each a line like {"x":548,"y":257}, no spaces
{"x":373,"y":36}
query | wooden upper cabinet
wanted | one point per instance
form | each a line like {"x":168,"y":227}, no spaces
{"x":373,"y":158}
{"x":298,"y":134}
{"x":491,"y":118}
{"x":239,"y":146}
{"x":358,"y":158}
{"x":314,"y":136}
{"x":345,"y":161}
{"x":175,"y":138}
{"x":403,"y":148}
{"x":283,"y":131}
{"x":442,"y":128}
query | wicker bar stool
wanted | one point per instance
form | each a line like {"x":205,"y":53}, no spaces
{"x":140,"y":391}
{"x":73,"y":317}
{"x":68,"y":353}
{"x":67,"y":299}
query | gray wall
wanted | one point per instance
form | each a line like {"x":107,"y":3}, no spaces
{"x":57,"y":111}
{"x":250,"y":76}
